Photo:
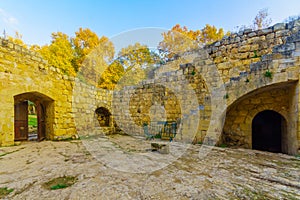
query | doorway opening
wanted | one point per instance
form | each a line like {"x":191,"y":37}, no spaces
{"x":103,"y":117}
{"x":32,"y":122}
{"x":33,"y":116}
{"x":267,"y":129}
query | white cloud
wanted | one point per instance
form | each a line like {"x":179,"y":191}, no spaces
{"x":8,"y":20}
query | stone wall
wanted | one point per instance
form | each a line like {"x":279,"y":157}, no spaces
{"x":173,"y":96}
{"x":86,"y":99}
{"x":234,"y":54}
{"x":278,"y":68}
{"x":23,"y":71}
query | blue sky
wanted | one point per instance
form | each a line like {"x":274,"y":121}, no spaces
{"x":37,"y":19}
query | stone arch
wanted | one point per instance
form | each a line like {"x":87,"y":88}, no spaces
{"x":268,"y":129}
{"x":45,"y":115}
{"x":104,"y":122}
{"x":253,"y":113}
{"x":279,"y":98}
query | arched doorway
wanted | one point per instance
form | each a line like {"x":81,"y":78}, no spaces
{"x":44,"y":115}
{"x":267,"y":129}
{"x":105,"y":122}
{"x":103,"y":117}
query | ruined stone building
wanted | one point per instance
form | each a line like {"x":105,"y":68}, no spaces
{"x":241,"y":91}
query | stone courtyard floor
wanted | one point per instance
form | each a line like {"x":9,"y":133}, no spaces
{"x":123,"y":167}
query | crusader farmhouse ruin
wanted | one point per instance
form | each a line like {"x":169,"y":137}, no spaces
{"x":240,"y":91}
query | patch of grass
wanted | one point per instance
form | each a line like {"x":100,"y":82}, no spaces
{"x":5,"y":191}
{"x":60,"y":182}
{"x":157,"y":136}
{"x":58,"y":186}
{"x":32,"y":120}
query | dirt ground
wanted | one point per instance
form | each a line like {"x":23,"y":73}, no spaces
{"x":123,"y":167}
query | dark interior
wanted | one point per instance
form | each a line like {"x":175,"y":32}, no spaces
{"x":266,"y":131}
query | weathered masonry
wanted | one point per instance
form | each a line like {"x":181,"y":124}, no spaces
{"x":241,"y":91}
{"x":26,"y":77}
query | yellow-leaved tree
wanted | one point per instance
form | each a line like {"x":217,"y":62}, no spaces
{"x":180,"y":40}
{"x":59,"y":53}
{"x":112,"y":75}
{"x":92,"y":54}
{"x":210,"y":34}
{"x":84,"y":42}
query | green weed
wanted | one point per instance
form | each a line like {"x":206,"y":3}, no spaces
{"x":5,"y":191}
{"x":60,"y":182}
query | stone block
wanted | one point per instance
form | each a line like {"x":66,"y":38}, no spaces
{"x":252,"y":34}
{"x":293,"y":38}
{"x":243,"y":55}
{"x":264,"y":31}
{"x":244,"y":48}
{"x":279,"y":26}
{"x":282,"y":33}
{"x":247,"y":30}
{"x":284,"y":48}
{"x":253,"y":40}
